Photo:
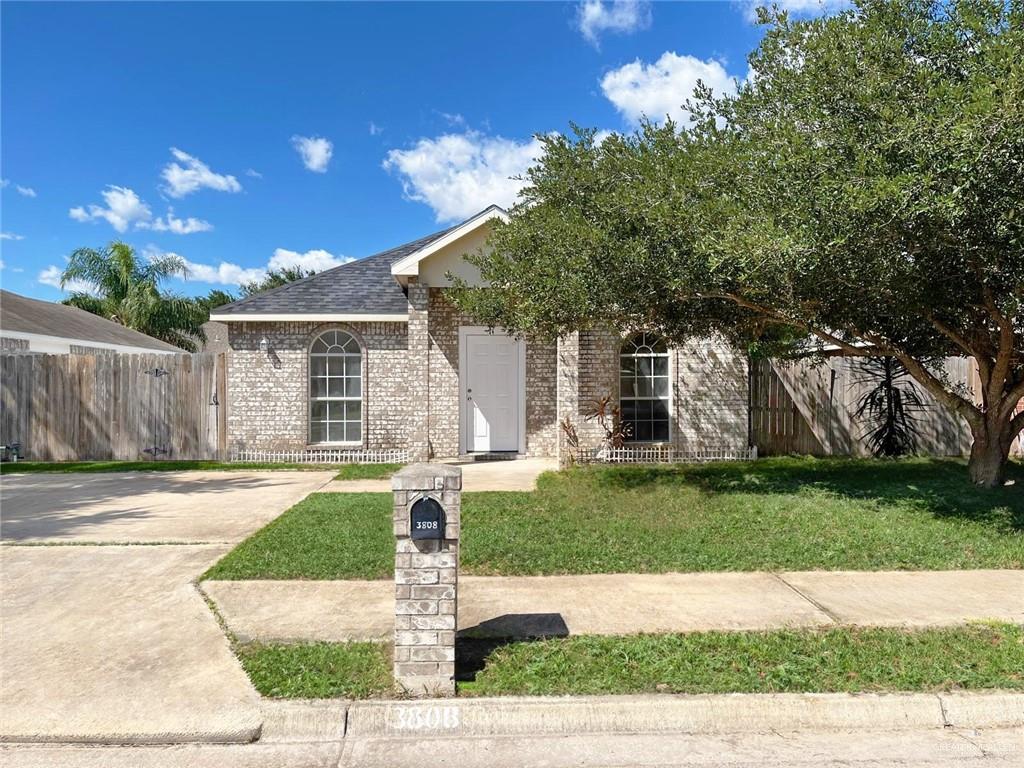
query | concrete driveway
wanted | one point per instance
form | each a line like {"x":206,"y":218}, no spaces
{"x":115,"y":643}
{"x":150,"y":507}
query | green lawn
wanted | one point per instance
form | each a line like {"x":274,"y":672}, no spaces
{"x":348,"y":471}
{"x":980,"y":656}
{"x":775,"y":514}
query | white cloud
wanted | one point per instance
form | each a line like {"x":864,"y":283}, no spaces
{"x":10,"y":236}
{"x":796,"y":7}
{"x":594,"y":17}
{"x":194,"y":175}
{"x":228,"y":273}
{"x":315,"y":152}
{"x":375,"y":129}
{"x":4,"y":183}
{"x":123,"y":209}
{"x":25,"y":191}
{"x":224,"y":273}
{"x":318,"y":260}
{"x":51,"y":277}
{"x":461,"y":174}
{"x":659,"y":89}
{"x":170,"y":223}
{"x":253,"y":173}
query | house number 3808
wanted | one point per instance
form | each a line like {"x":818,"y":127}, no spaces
{"x":423,"y":525}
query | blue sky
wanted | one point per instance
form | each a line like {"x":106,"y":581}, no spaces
{"x":242,"y":135}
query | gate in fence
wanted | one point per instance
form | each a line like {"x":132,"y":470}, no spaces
{"x":114,"y":406}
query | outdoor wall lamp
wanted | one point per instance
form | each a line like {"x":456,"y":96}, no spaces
{"x":264,"y":344}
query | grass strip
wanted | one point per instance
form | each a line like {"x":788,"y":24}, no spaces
{"x":356,"y":670}
{"x":972,"y":657}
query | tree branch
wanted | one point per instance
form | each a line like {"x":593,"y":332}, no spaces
{"x":928,"y":380}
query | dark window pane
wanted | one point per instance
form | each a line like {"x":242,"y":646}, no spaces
{"x":626,"y":388}
{"x":351,"y":345}
{"x":643,"y":431}
{"x":628,"y":410}
{"x":352,"y":387}
{"x":353,"y":411}
{"x":661,"y":430}
{"x":659,"y":409}
{"x":643,"y":410}
{"x":336,"y":431}
{"x":318,"y":366}
{"x":336,"y":387}
{"x":353,"y":431}
{"x":644,"y":388}
{"x":319,"y":345}
{"x":336,"y":411}
{"x":661,"y":366}
{"x":661,"y":387}
{"x":318,"y":387}
{"x":335,"y":366}
{"x":318,"y":432}
{"x":353,"y":365}
{"x":644,"y":366}
{"x":656,"y":343}
{"x":318,"y":411}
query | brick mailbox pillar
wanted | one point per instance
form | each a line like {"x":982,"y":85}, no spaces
{"x":426,"y":524}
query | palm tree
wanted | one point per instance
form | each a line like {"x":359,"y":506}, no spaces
{"x":126,"y":289}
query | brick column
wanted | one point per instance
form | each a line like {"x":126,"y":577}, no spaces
{"x":426,"y":581}
{"x":568,"y":388}
{"x":418,"y":397}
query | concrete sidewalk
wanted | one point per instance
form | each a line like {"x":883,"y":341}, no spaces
{"x":289,"y":611}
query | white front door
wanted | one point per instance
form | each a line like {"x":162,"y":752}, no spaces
{"x":491,"y":389}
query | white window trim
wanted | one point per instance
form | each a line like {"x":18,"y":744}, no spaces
{"x":464,"y":331}
{"x":310,"y":399}
{"x":671,"y":355}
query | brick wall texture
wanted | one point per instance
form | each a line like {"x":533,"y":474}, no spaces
{"x":411,"y":384}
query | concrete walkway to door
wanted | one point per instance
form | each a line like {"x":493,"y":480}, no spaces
{"x":611,"y":604}
{"x":114,"y":643}
{"x":510,"y":475}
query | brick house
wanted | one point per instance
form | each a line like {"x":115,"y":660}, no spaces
{"x":371,"y":355}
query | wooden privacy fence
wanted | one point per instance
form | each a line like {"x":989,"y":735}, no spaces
{"x":805,"y":409}
{"x":114,"y":406}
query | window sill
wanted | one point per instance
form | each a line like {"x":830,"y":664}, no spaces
{"x":314,"y":446}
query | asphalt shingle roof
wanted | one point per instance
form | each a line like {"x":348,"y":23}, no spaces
{"x":20,"y":313}
{"x":365,"y":286}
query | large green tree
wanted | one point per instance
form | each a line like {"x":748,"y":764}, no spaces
{"x":861,"y":193}
{"x":126,"y":289}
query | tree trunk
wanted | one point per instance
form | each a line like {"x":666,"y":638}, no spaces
{"x":990,"y":452}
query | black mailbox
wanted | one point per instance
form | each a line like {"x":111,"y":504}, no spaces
{"x":426,"y":519}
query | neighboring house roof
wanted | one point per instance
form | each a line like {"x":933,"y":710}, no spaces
{"x":359,"y":290}
{"x":22,"y":317}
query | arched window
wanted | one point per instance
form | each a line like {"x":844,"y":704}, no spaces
{"x":644,"y":388}
{"x":335,"y":389}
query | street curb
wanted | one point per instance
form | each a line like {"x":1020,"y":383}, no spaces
{"x":726,"y":713}
{"x":243,"y":734}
